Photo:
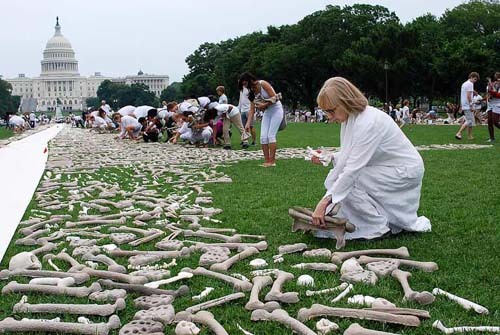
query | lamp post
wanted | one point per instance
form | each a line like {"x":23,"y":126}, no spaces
{"x":386,"y":67}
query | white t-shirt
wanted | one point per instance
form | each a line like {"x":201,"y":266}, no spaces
{"x":164,"y":113}
{"x":95,"y":113}
{"x":204,"y":101}
{"x":476,"y":102}
{"x":142,"y":111}
{"x":223,"y":99}
{"x":127,"y":121}
{"x":244,"y":104}
{"x":126,"y":110}
{"x":223,"y":108}
{"x":32,"y":117}
{"x":398,"y":113}
{"x":16,"y":120}
{"x":406,"y":112}
{"x":99,"y":122}
{"x":468,"y":86}
{"x":106,"y":108}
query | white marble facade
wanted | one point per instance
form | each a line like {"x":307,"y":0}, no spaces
{"x":59,"y":79}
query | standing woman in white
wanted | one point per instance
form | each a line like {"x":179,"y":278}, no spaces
{"x":263,"y":97}
{"x":377,"y":174}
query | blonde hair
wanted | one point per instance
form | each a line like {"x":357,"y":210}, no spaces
{"x":338,"y":91}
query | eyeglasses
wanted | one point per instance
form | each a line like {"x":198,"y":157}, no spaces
{"x":331,"y":111}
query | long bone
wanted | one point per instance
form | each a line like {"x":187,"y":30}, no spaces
{"x":101,"y":209}
{"x":421,"y":314}
{"x":424,"y":266}
{"x":154,"y":214}
{"x":184,"y":252}
{"x":182,"y":275}
{"x":461,"y":301}
{"x":237,"y":284}
{"x":141,"y":289}
{"x":67,"y":281}
{"x":32,"y":228}
{"x":14,"y":287}
{"x":81,"y":309}
{"x":282,"y":317}
{"x":356,"y":329}
{"x":203,"y":317}
{"x":78,"y":277}
{"x":316,"y":266}
{"x":262,"y":245}
{"x":318,"y":310}
{"x":103,"y":328}
{"x":213,"y":236}
{"x":338,"y":257}
{"x":156,"y":233}
{"x":341,"y":287}
{"x":215,"y":302}
{"x":31,"y":239}
{"x":342,"y":294}
{"x":112,"y":265}
{"x":120,"y":204}
{"x":119,"y":221}
{"x":225,"y":265}
{"x":275,"y":293}
{"x":143,"y":232}
{"x":109,"y":217}
{"x":439,"y":325}
{"x":254,"y":303}
{"x":422,"y":298}
{"x":115,"y":276}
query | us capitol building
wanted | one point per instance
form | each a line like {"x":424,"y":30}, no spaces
{"x":60,"y":83}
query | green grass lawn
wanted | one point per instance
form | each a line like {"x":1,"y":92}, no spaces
{"x":5,"y":133}
{"x":460,"y":196}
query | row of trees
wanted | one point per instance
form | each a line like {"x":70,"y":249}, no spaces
{"x":118,"y":95}
{"x":8,"y":102}
{"x":428,"y":57}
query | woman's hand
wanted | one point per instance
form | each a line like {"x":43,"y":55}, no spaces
{"x":315,"y":160}
{"x":247,"y":128}
{"x":318,"y":217}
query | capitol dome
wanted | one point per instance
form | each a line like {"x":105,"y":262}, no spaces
{"x":58,"y":56}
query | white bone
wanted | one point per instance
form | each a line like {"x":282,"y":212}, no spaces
{"x":356,"y":329}
{"x":182,"y":275}
{"x":258,"y":263}
{"x":64,"y":282}
{"x":186,"y":328}
{"x":342,"y":286}
{"x":439,"y":325}
{"x":203,"y":293}
{"x":461,"y":301}
{"x":325,"y":326}
{"x":350,"y":265}
{"x":348,"y":289}
{"x":55,"y":267}
{"x":245,"y":332}
{"x":305,"y":280}
{"x":240,"y":277}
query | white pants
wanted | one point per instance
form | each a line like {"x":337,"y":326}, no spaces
{"x":383,"y":199}
{"x":203,"y":136}
{"x":270,"y":123}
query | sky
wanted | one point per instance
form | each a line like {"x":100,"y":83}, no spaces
{"x":121,"y":37}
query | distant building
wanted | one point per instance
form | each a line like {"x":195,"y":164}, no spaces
{"x":60,"y":83}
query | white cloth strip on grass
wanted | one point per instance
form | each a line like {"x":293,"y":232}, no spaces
{"x":22,"y":165}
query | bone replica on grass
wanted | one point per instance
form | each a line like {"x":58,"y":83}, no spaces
{"x":11,"y":325}
{"x":154,"y":300}
{"x":142,"y":327}
{"x":120,"y":204}
{"x":152,"y":274}
{"x":119,"y":221}
{"x":213,"y":255}
{"x":339,"y":257}
{"x":258,"y":263}
{"x":383,"y":268}
{"x":254,"y":303}
{"x":14,"y":287}
{"x":186,"y":328}
{"x":275,"y":294}
{"x":356,"y":329}
{"x":156,"y":233}
{"x":366,"y":300}
{"x":112,"y":265}
{"x":108,"y":295}
{"x":318,"y":310}
{"x":468,"y":305}
{"x":341,"y":287}
{"x":237,"y":284}
{"x":422,"y":298}
{"x":182,"y":290}
{"x":282,"y":317}
{"x":261,"y":246}
{"x":86,"y":309}
{"x":215,"y":302}
{"x":316,"y":266}
{"x":421,"y":314}
{"x":305,"y":280}
{"x":180,"y":276}
{"x":291,"y":248}
{"x":37,"y":225}
{"x":202,"y":317}
{"x":325,"y":326}
{"x":203,"y":294}
{"x":164,"y":314}
{"x":303,"y":221}
{"x":318,"y":253}
{"x":225,"y":265}
{"x":32,"y":238}
{"x":65,"y":282}
{"x":424,"y":266}
{"x":27,"y":260}
{"x":78,"y":277}
{"x":342,"y":294}
{"x":465,"y":329}
{"x":184,"y":252}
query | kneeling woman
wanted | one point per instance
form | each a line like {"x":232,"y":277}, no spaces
{"x":377,"y":174}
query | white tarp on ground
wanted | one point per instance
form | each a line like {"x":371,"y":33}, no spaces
{"x":21,"y":166}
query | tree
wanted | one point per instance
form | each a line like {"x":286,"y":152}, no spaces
{"x":93,"y":102}
{"x":6,"y":99}
{"x":172,"y":93}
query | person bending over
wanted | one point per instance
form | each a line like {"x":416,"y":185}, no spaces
{"x":129,"y":126}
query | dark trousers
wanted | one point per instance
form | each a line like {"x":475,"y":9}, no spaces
{"x":150,"y":137}
{"x":493,"y":120}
